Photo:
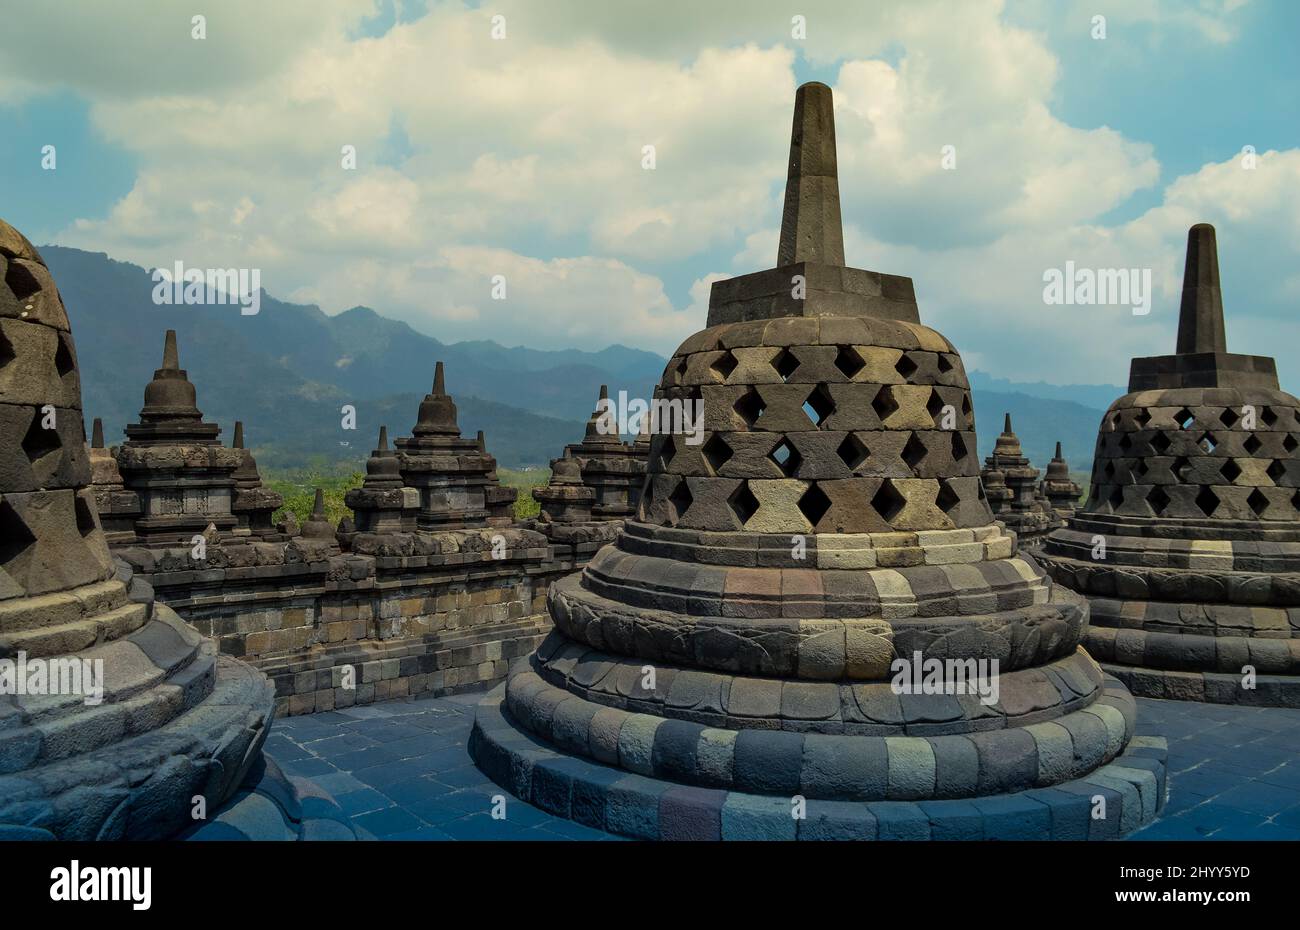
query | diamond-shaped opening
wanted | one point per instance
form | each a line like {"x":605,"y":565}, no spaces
{"x":681,"y":500}
{"x":934,"y":406}
{"x":888,"y":502}
{"x":848,"y":361}
{"x":959,"y":447}
{"x":945,"y":363}
{"x":1126,"y":442}
{"x":905,"y":366}
{"x":1230,"y":471}
{"x":1276,"y":471}
{"x":21,"y":281}
{"x":1252,"y":444}
{"x":1116,"y":498}
{"x":852,"y":451}
{"x":1257,"y":502}
{"x":1114,"y":419}
{"x":85,"y":517}
{"x":7,"y":353}
{"x":1228,"y":417}
{"x":679,"y":373}
{"x":1142,"y":468}
{"x":947,"y":498}
{"x":785,"y":364}
{"x":1208,"y":443}
{"x":750,"y":406}
{"x":914,"y":452}
{"x":814,"y":504}
{"x":1161,"y":443}
{"x":787,"y":457}
{"x":1184,"y":419}
{"x":40,"y":442}
{"x":884,"y":404}
{"x":1268,"y":416}
{"x":63,"y":360}
{"x":965,"y":406}
{"x":819,"y":405}
{"x":15,"y":537}
{"x":716,"y":453}
{"x":1290,"y":443}
{"x":1207,"y":500}
{"x":1158,"y":500}
{"x":667,"y":449}
{"x":743,"y":503}
{"x":1109,"y":470}
{"x":724,"y":365}
{"x":1143,"y":418}
{"x":1180,"y":464}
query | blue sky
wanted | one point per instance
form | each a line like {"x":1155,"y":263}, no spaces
{"x":521,"y":157}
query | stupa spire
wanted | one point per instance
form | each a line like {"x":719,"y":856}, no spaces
{"x":1200,"y":317}
{"x":97,"y":434}
{"x":811,"y":228}
{"x":171,"y":357}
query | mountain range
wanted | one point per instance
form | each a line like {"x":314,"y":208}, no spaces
{"x":288,"y":371}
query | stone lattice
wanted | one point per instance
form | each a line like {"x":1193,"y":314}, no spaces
{"x":1195,"y":494}
{"x":732,"y":648}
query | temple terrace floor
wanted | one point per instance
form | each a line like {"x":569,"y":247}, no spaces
{"x":400,"y":770}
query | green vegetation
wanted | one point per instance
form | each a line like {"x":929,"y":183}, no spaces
{"x":525,"y":506}
{"x":299,"y":490}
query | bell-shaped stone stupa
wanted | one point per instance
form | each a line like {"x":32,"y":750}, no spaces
{"x":114,"y":714}
{"x":735,"y":646}
{"x":1189,"y":544}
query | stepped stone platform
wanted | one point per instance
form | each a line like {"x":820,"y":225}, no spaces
{"x":734,"y":651}
{"x":1196,"y":497}
{"x":153,"y":718}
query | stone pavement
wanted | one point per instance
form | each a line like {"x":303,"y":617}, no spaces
{"x":401,"y":771}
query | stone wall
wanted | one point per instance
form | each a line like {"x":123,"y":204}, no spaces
{"x":435,"y":624}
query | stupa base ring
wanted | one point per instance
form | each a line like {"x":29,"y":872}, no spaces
{"x":1134,"y":786}
{"x":1208,"y":687}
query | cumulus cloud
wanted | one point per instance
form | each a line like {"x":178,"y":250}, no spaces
{"x":526,"y":158}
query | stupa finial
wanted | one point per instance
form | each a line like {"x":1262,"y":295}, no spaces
{"x":97,"y":434}
{"x":439,"y":385}
{"x":811,"y":228}
{"x":1200,"y":318}
{"x":171,"y":357}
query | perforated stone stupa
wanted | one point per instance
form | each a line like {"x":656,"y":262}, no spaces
{"x":1196,"y":498}
{"x":145,"y":716}
{"x":456,"y":477}
{"x":732,"y":649}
